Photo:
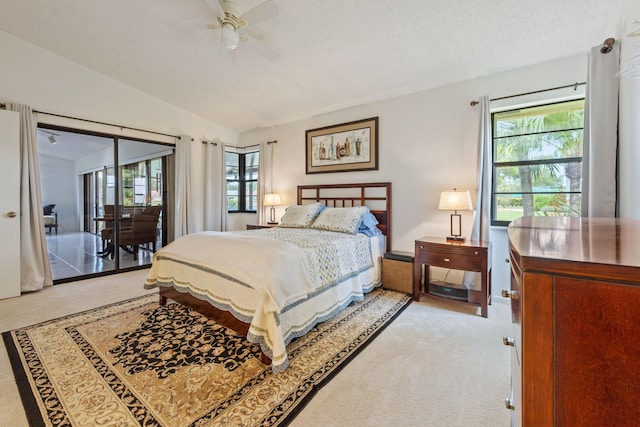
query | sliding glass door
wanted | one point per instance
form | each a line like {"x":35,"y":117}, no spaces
{"x":110,"y":197}
{"x":142,"y":201}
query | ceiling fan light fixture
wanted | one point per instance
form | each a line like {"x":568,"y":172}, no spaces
{"x":230,"y":38}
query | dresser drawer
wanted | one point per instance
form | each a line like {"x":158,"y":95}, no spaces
{"x":470,"y":262}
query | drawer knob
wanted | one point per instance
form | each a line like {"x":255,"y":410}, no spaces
{"x":506,"y":260}
{"x":508,"y":341}
{"x":447,"y":260}
{"x":506,"y":293}
{"x":508,"y":403}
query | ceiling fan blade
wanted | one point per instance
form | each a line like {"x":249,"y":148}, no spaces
{"x":262,"y":12}
{"x":215,"y":6}
{"x":261,"y":48}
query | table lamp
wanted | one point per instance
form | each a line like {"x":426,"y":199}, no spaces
{"x":455,"y":201}
{"x":272,"y":199}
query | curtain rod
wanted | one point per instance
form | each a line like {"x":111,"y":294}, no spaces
{"x":574,"y":86}
{"x":4,"y":106}
{"x":215,"y":144}
{"x":105,"y":123}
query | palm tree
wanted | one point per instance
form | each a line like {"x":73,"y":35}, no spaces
{"x":538,"y":134}
{"x":527,"y":140}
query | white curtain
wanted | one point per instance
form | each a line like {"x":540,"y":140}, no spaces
{"x":223,"y":206}
{"x":35,"y":270}
{"x":215,"y":186}
{"x":183,"y":191}
{"x":264,"y":178}
{"x":600,"y":142}
{"x":480,"y":228}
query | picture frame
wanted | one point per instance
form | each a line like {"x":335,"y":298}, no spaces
{"x":346,"y":147}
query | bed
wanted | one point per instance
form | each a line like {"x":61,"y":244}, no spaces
{"x":273,"y":285}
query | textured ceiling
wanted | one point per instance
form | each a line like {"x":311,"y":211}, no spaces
{"x":331,"y":54}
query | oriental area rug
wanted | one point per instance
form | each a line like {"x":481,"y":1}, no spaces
{"x":138,"y":363}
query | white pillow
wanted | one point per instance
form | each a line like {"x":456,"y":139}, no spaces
{"x":300,"y":216}
{"x":344,"y":220}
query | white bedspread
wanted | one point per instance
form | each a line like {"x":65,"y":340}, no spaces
{"x":249,"y":260}
{"x":280,"y":281}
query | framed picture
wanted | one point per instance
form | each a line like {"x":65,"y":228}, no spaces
{"x":345,"y":147}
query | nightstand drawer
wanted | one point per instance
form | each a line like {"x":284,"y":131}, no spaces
{"x":452,"y":260}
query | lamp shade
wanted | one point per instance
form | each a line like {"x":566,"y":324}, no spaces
{"x":455,"y":201}
{"x":272,"y":199}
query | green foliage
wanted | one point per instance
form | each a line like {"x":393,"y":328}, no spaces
{"x":525,"y":142}
{"x":509,"y":202}
{"x":542,"y":200}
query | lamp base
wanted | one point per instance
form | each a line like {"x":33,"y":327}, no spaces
{"x":272,"y":216}
{"x":455,"y":239}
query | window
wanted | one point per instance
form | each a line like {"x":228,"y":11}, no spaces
{"x":537,"y":161}
{"x":242,"y":181}
{"x":142,"y":183}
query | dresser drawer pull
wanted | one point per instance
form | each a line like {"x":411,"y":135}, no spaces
{"x":508,"y":403}
{"x":447,"y":260}
{"x":508,"y":341}
{"x":509,"y":294}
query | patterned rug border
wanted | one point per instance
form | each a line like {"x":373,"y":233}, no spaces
{"x":29,"y":402}
{"x":32,"y":407}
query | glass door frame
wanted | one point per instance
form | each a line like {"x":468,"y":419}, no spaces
{"x":90,"y":203}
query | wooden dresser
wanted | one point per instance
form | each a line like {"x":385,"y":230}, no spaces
{"x":575,"y":300}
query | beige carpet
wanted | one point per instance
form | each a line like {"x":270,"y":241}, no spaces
{"x":437,"y":364}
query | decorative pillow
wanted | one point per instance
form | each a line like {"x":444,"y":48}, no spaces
{"x":368,"y":225}
{"x":344,"y":220}
{"x":300,"y":216}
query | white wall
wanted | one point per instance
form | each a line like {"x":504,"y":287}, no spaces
{"x":47,"y":82}
{"x":59,"y":186}
{"x":427,"y":143}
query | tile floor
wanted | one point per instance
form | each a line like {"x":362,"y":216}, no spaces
{"x":75,"y":254}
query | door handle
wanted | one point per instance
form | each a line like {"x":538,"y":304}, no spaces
{"x":11,"y":214}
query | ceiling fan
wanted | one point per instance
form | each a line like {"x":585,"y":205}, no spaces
{"x":232,"y":22}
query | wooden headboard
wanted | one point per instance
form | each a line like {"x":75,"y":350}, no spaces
{"x":375,"y":195}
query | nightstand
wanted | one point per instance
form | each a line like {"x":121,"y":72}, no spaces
{"x":471,"y":255}
{"x":258,"y":226}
